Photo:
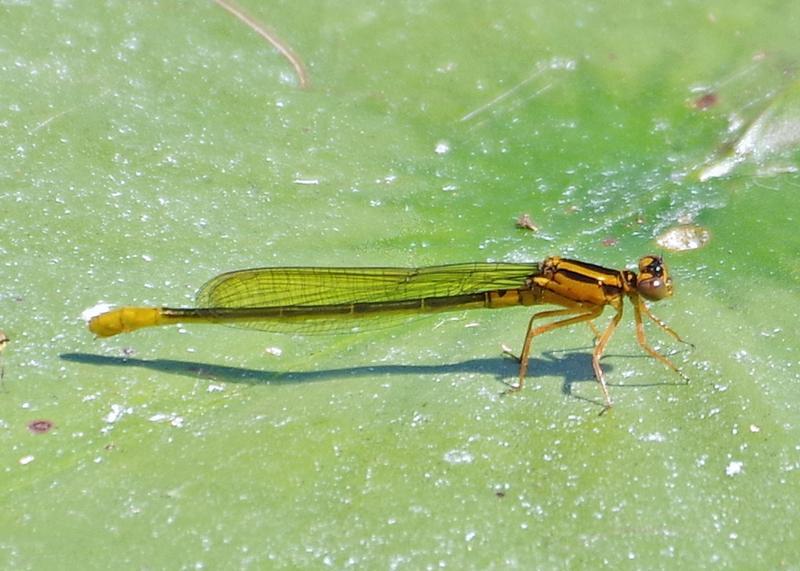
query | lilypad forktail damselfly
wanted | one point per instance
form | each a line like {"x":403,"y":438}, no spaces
{"x":332,"y":300}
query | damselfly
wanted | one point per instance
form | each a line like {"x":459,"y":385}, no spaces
{"x":333,"y":300}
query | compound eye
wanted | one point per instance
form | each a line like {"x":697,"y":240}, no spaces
{"x":653,"y":282}
{"x":651,"y":265}
{"x":654,"y":289}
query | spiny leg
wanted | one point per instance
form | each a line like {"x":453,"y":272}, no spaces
{"x":599,"y":349}
{"x":638,"y":307}
{"x":585,"y":313}
{"x":541,"y":314}
{"x":661,"y":324}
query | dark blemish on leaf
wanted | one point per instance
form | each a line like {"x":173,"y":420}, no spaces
{"x":706,"y":100}
{"x":40,"y":426}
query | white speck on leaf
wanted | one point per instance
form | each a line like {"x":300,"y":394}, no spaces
{"x":117,"y":412}
{"x":458,"y":457}
{"x":442,"y":148}
{"x":734,"y":468}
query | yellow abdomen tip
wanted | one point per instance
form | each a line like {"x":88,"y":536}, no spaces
{"x":123,"y":320}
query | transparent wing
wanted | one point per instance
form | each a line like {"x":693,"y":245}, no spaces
{"x":325,"y":287}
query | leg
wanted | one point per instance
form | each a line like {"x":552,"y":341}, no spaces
{"x":541,"y":314}
{"x":585,"y":313}
{"x":638,"y":307}
{"x":661,"y":324}
{"x":599,"y":349}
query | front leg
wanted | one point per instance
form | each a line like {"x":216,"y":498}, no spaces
{"x":638,"y":308}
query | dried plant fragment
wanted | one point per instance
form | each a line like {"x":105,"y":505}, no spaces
{"x":282,"y":47}
{"x":525,"y":222}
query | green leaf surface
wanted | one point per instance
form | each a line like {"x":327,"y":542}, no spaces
{"x":148,"y":146}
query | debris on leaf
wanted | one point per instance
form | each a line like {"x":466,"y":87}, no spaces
{"x":705,"y":101}
{"x":525,"y":222}
{"x":684,"y":237}
{"x":4,"y":341}
{"x":40,"y":426}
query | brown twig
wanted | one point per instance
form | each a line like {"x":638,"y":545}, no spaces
{"x":524,"y":221}
{"x":271,"y":37}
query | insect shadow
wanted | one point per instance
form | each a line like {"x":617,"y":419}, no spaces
{"x":572,"y":366}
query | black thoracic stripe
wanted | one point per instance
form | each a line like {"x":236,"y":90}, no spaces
{"x":592,"y":267}
{"x":585,"y":278}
